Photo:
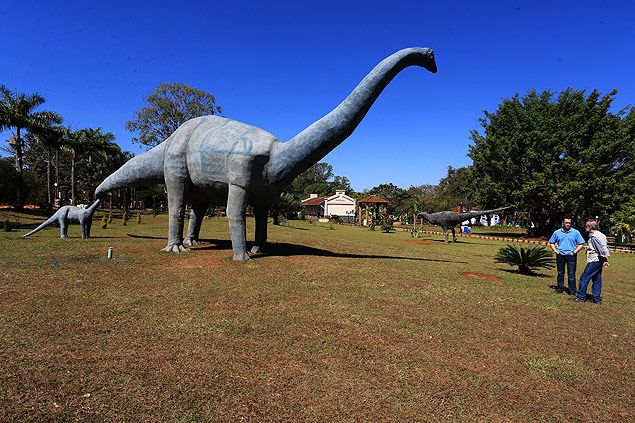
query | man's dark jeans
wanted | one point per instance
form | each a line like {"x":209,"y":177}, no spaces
{"x":571,"y":262}
{"x":592,"y":272}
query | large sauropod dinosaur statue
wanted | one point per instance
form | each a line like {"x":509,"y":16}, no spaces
{"x":213,"y":158}
{"x":68,"y":214}
{"x":449,"y":219}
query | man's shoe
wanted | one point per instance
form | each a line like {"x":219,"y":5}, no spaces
{"x":571,"y":293}
{"x":576,"y":299}
{"x":559,"y":291}
{"x":597,"y":302}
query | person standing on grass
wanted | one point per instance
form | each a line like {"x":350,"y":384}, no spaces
{"x":566,"y":242}
{"x":597,"y":257}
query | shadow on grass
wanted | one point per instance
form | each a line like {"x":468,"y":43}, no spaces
{"x":589,"y":297}
{"x":283,"y":249}
{"x":516,"y":272}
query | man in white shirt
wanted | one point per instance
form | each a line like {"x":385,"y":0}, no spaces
{"x":597,"y":257}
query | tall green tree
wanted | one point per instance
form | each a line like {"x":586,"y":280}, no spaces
{"x":396,"y":196}
{"x":99,"y":146}
{"x":50,"y":140}
{"x":169,"y":106}
{"x":458,"y":188}
{"x":553,"y":156}
{"x":17,"y":112}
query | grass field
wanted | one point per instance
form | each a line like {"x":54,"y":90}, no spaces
{"x":335,"y":323}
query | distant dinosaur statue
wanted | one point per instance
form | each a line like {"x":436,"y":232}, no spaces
{"x":68,"y":214}
{"x":449,"y":219}
{"x":213,"y":158}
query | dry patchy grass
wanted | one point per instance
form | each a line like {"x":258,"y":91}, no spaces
{"x":344,"y":324}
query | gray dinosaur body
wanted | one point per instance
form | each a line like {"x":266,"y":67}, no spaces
{"x":449,"y":219}
{"x":217,"y":159}
{"x":70,"y":214}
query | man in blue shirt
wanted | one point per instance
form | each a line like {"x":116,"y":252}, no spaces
{"x":566,"y":242}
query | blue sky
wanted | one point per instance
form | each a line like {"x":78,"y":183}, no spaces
{"x":281,"y":65}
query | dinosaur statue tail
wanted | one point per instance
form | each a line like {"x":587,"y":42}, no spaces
{"x":144,"y":169}
{"x":49,"y":221}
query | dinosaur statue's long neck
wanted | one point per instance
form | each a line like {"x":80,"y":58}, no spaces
{"x":291,"y":158}
{"x":94,"y":206}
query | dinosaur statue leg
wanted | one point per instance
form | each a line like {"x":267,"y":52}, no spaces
{"x":445,"y":232}
{"x":261,"y":214}
{"x":194,"y":228}
{"x":236,"y":206}
{"x":176,"y":187}
{"x":453,"y":235}
{"x":63,"y":228}
{"x":88,"y":226}
{"x":82,"y":225}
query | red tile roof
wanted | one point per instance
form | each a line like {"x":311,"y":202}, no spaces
{"x":373,"y":199}
{"x":312,"y":201}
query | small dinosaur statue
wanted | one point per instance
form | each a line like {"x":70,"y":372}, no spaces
{"x":68,"y":214}
{"x":449,"y":219}
{"x":213,"y":158}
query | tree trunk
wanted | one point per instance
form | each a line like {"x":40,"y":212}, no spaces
{"x":49,"y":190}
{"x":73,"y":179}
{"x":57,"y":174}
{"x":18,"y":167}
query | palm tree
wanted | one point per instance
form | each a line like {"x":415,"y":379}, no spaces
{"x":51,"y":138}
{"x":17,"y":112}
{"x":94,"y":149}
{"x":100,"y":147}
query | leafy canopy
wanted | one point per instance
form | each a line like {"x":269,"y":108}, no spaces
{"x":554,"y":156}
{"x":170,"y":106}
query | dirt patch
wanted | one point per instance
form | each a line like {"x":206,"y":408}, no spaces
{"x":480,"y":276}
{"x":419,"y":241}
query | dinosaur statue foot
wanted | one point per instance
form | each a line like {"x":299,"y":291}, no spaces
{"x":175,"y":248}
{"x":256,"y":249}
{"x":242,"y":257}
{"x":189,"y":242}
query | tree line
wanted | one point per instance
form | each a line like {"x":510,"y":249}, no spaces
{"x":547,"y":155}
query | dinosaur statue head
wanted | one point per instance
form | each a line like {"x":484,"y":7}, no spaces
{"x":291,"y":158}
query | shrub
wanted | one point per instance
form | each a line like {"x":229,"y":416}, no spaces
{"x":125,"y":217}
{"x":526,"y":259}
{"x":138,"y":217}
{"x":7,"y":226}
{"x":110,"y":216}
{"x":386,"y":222}
{"x":104,"y":222}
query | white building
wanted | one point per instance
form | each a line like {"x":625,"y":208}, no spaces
{"x":340,"y":205}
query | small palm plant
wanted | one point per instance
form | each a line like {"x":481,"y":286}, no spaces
{"x":525,"y":258}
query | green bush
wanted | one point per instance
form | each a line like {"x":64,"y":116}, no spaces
{"x":125,"y":217}
{"x":386,"y":222}
{"x":138,"y":217}
{"x":7,"y":226}
{"x":526,"y":259}
{"x":110,"y":216}
{"x":104,"y":222}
